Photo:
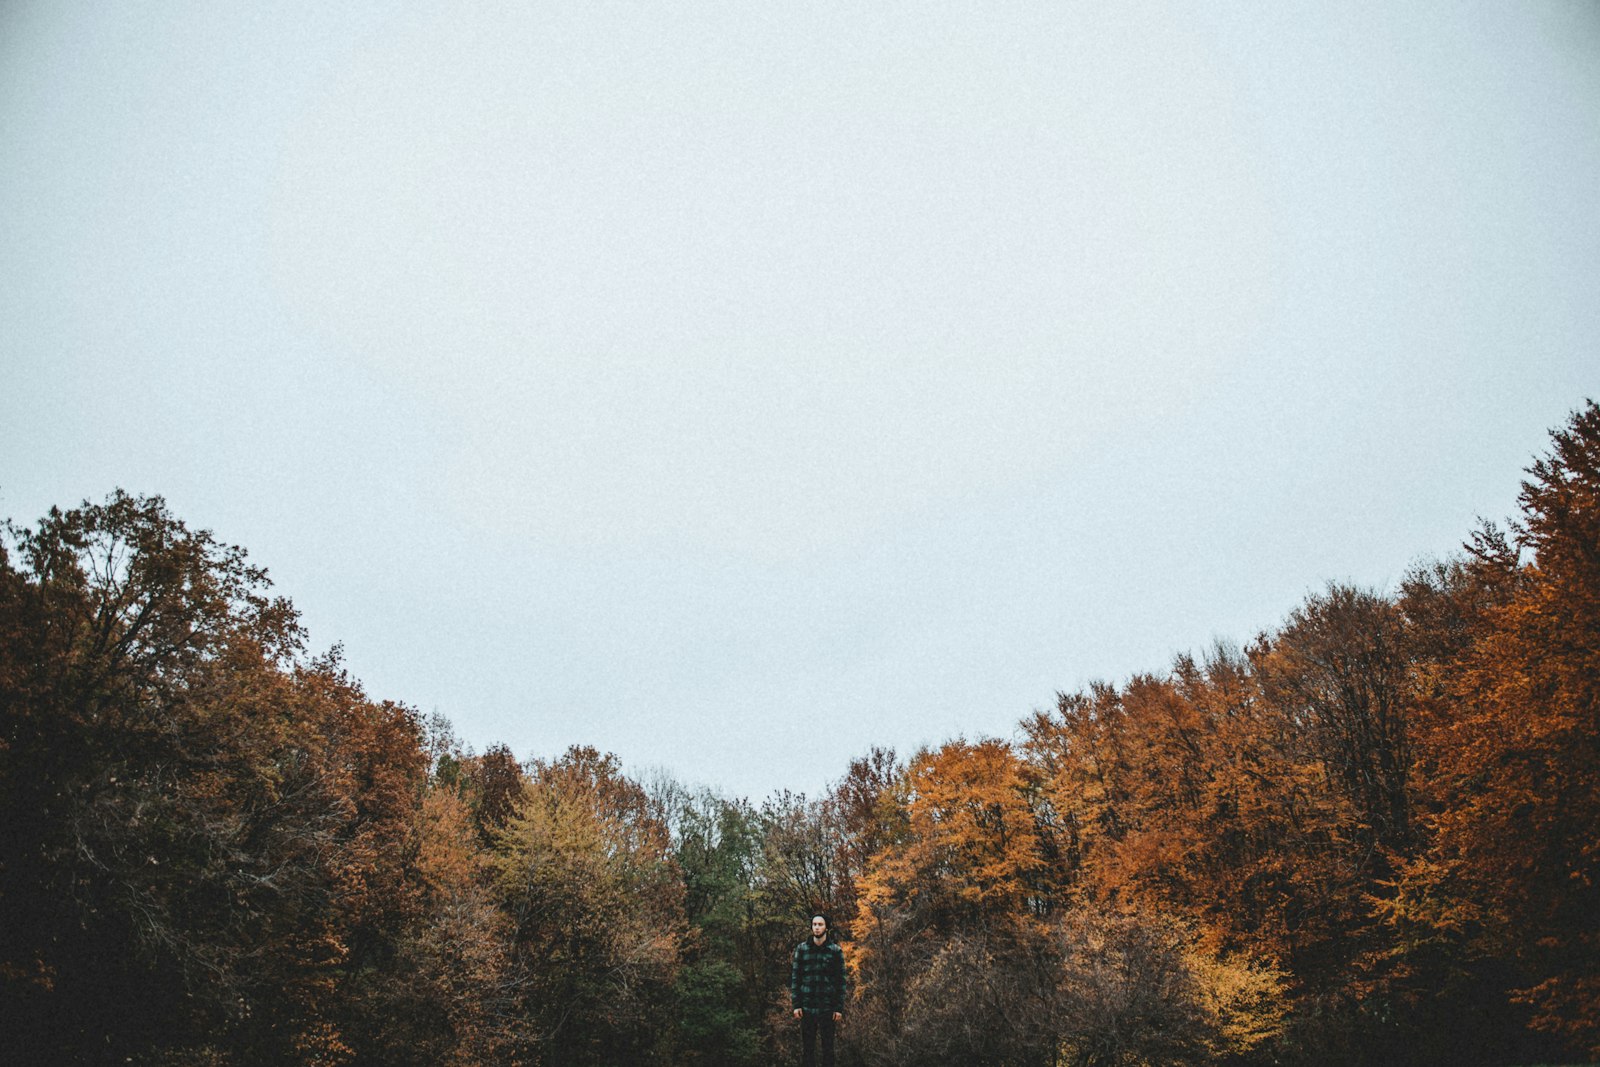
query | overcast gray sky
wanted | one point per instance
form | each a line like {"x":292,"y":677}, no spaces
{"x":735,"y":386}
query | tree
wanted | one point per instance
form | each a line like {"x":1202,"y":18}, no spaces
{"x":1139,"y":987}
{"x":209,"y":836}
{"x":584,"y":873}
{"x":949,"y":910}
{"x":862,"y":816}
{"x":458,"y":1006}
{"x":734,"y":956}
{"x":1513,"y":750}
{"x":154,"y":794}
{"x":495,"y":786}
{"x":1339,"y":671}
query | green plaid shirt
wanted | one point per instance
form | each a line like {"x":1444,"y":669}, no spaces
{"x":816,"y":977}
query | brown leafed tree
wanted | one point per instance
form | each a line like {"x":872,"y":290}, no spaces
{"x":1513,"y":750}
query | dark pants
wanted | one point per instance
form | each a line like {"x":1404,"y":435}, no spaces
{"x":812,"y":1023}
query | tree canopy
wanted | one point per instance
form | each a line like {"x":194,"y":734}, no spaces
{"x":1368,"y":837}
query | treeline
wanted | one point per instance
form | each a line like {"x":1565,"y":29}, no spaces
{"x":1370,"y":836}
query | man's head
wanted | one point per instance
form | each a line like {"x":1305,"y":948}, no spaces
{"x":819,"y":928}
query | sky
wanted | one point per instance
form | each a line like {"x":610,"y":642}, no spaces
{"x":737,"y":386}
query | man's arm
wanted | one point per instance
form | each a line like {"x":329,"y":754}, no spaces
{"x":794,"y":978}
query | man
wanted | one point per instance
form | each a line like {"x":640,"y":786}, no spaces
{"x":816,"y":988}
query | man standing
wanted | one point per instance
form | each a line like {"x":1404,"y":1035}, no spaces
{"x":816,"y":987}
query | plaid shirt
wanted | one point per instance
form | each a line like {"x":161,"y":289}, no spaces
{"x":816,"y":977}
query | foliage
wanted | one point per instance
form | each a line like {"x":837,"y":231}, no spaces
{"x":1512,"y":752}
{"x":1368,"y":837}
{"x":595,"y":907}
{"x":204,"y":829}
{"x":1140,"y":988}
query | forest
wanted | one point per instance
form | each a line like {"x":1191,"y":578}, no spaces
{"x":1370,"y":835}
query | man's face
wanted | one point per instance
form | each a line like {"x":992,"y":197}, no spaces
{"x":819,"y":927}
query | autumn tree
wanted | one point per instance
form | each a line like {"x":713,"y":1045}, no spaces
{"x":459,"y":1007}
{"x":959,"y":891}
{"x":1338,"y":670}
{"x":159,"y":800}
{"x":1512,"y":750}
{"x":211,"y":839}
{"x":862,"y":811}
{"x":1178,"y":819}
{"x":1139,"y":986}
{"x":583,"y":871}
{"x":1366,"y":838}
{"x":493,"y":786}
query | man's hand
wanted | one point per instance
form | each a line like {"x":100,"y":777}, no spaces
{"x":837,"y":1016}
{"x":798,"y":1013}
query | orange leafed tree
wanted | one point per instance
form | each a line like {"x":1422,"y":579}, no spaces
{"x":972,"y":846}
{"x":955,"y":895}
{"x":1512,"y":749}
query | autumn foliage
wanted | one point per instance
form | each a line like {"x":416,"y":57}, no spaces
{"x":1369,"y":836}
